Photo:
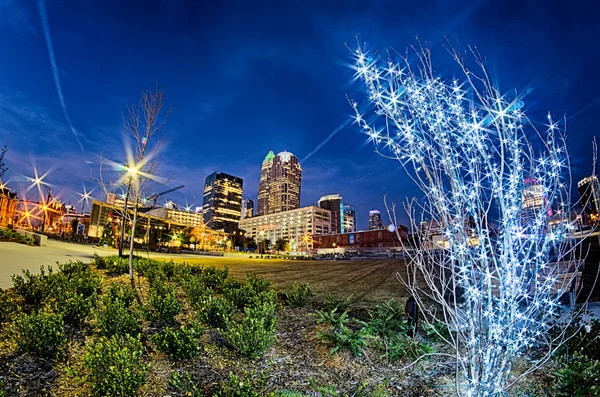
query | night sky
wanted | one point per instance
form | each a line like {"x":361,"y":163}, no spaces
{"x":247,"y":77}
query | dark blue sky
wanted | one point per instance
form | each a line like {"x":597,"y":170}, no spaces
{"x":248,"y":77}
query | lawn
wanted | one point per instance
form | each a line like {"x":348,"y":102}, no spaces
{"x":369,"y":280}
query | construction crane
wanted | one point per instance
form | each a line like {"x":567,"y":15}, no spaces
{"x":157,"y":195}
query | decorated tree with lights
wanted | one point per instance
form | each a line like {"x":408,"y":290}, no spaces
{"x":496,"y":274}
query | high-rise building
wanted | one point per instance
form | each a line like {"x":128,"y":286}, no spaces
{"x":334,"y":203}
{"x":247,"y":208}
{"x":263,"y":184}
{"x":349,"y":219}
{"x":589,"y":196}
{"x":297,"y":226}
{"x":279,"y":185}
{"x":222,"y":204}
{"x":534,"y":201}
{"x":375,"y":222}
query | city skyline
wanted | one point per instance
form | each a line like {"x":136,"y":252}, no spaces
{"x":244,"y":91}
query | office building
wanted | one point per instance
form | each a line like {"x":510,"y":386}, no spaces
{"x":589,"y":197}
{"x":534,"y":202}
{"x":375,"y":222}
{"x":247,"y":208}
{"x":334,"y":203}
{"x":297,"y":226}
{"x":349,"y":219}
{"x":222,"y":204}
{"x":279,"y":185}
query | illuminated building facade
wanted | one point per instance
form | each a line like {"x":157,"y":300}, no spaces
{"x":334,"y":203}
{"x":349,"y":219}
{"x":279,"y":185}
{"x":382,"y":238}
{"x":247,"y":208}
{"x":222,"y":204}
{"x":375,"y":222}
{"x":297,"y":226}
{"x":8,"y":206}
{"x":589,"y":196}
{"x":533,"y":200}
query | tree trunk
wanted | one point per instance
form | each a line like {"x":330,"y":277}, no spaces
{"x":132,"y":238}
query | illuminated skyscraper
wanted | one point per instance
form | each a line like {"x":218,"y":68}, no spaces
{"x":375,"y":222}
{"x":334,"y":203}
{"x":279,"y":185}
{"x":263,"y":184}
{"x":222,"y":204}
{"x":589,"y":196}
{"x":247,"y":208}
{"x":349,"y":219}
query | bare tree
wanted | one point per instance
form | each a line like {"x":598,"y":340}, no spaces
{"x":145,"y":124}
{"x":3,"y":167}
{"x":488,"y":265}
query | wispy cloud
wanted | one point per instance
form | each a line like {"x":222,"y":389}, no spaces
{"x":55,"y":72}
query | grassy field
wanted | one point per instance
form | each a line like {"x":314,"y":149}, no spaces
{"x":368,"y":281}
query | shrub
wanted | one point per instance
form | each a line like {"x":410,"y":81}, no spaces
{"x":99,"y":261}
{"x":436,"y":330}
{"x":195,"y":289}
{"x":39,"y":334}
{"x":346,"y":338}
{"x":398,"y":347}
{"x":183,"y":383}
{"x":238,"y":293}
{"x":299,"y":294}
{"x":73,"y":307}
{"x":7,"y":307}
{"x":116,"y":317}
{"x":248,"y":385}
{"x":388,"y":319}
{"x":257,"y":283}
{"x":122,"y":293}
{"x":214,"y":278}
{"x":115,"y":366}
{"x":78,"y":276}
{"x":163,"y":305}
{"x":116,"y":266}
{"x":579,"y":377}
{"x":216,"y":312}
{"x":34,"y":288}
{"x":585,"y":339}
{"x":255,"y":332}
{"x":179,"y":344}
{"x":333,"y":318}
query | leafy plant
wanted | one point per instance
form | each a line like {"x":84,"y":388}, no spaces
{"x":214,"y":278}
{"x":585,"y":338}
{"x":115,"y":266}
{"x":7,"y":306}
{"x":341,"y":305}
{"x":117,"y":315}
{"x":346,"y":338}
{"x":436,"y":330}
{"x":122,"y":293}
{"x":333,"y":318}
{"x":388,"y":319}
{"x":34,"y":288}
{"x":238,"y":293}
{"x":196,"y":290}
{"x":179,"y":344}
{"x":39,"y":334}
{"x":255,"y":332}
{"x":99,"y":261}
{"x":246,"y":385}
{"x":362,"y":391}
{"x":579,"y":377}
{"x":163,"y":305}
{"x":116,"y":366}
{"x":257,"y":283}
{"x":183,"y":383}
{"x":398,"y":347}
{"x":74,"y":307}
{"x":216,"y":312}
{"x":299,"y":295}
{"x":79,"y":277}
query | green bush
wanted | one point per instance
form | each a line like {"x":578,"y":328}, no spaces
{"x":216,"y":312}
{"x":34,"y":288}
{"x":585,"y":338}
{"x":398,"y":347}
{"x":115,"y":366}
{"x":116,"y":266}
{"x":257,"y":283}
{"x":7,"y":306}
{"x":388,"y":319}
{"x":341,"y":305}
{"x":578,"y":377}
{"x":121,"y":292}
{"x":346,"y":338}
{"x":39,"y":333}
{"x":214,"y":278}
{"x":117,"y":315}
{"x":195,"y":289}
{"x":179,"y":344}
{"x":183,"y":383}
{"x":255,"y":332}
{"x":299,"y":295}
{"x":237,"y":292}
{"x":163,"y":305}
{"x":248,"y":385}
{"x":78,"y":276}
{"x":73,"y":307}
{"x":99,"y":261}
{"x":436,"y":330}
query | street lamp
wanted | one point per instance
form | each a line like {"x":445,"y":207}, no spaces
{"x":132,"y":172}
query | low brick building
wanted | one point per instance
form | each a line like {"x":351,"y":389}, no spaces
{"x":383,"y":238}
{"x":8,"y":206}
